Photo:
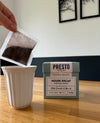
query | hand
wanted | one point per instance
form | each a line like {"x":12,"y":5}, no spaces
{"x":7,"y":19}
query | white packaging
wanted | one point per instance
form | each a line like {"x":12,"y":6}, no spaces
{"x":18,"y":48}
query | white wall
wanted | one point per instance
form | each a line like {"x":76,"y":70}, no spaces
{"x":40,"y":19}
{"x":3,"y":31}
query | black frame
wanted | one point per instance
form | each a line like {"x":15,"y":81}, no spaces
{"x":60,"y":19}
{"x":86,"y":17}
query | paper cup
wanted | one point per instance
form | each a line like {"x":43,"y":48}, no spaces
{"x":19,"y":85}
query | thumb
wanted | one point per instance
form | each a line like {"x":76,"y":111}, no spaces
{"x":4,"y":21}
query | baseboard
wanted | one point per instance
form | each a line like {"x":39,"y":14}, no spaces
{"x":89,"y":66}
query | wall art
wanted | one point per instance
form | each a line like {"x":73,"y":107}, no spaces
{"x":67,"y":10}
{"x":89,"y":8}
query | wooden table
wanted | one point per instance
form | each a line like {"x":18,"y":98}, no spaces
{"x":86,"y":109}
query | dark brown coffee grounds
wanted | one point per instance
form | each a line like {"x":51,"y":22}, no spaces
{"x":19,"y":54}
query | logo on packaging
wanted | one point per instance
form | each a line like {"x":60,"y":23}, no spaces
{"x":61,"y":67}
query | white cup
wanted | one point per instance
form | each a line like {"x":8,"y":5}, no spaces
{"x":19,"y":85}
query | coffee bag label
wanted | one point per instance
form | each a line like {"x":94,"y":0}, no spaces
{"x":60,"y":86}
{"x":61,"y":68}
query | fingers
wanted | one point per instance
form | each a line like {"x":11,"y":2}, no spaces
{"x":8,"y":19}
{"x":12,"y":18}
{"x":7,"y":23}
{"x":7,"y":13}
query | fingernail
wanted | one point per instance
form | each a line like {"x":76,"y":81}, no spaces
{"x":13,"y":27}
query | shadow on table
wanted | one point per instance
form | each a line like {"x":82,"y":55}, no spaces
{"x":63,"y":107}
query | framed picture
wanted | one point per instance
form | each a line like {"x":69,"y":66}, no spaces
{"x":89,"y":8}
{"x":67,"y":10}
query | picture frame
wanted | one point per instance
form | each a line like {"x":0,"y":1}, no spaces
{"x":89,"y":9}
{"x":67,"y":10}
{"x":18,"y":48}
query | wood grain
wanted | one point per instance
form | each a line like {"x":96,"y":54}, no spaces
{"x":86,"y":109}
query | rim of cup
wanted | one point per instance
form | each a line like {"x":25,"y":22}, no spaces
{"x":32,"y":66}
